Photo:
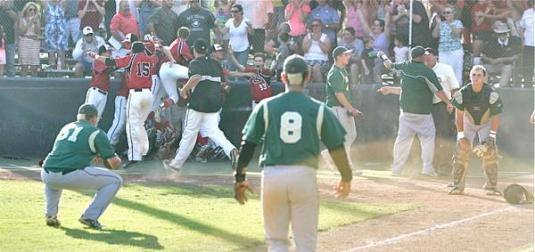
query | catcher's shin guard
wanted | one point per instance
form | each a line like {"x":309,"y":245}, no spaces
{"x":460,"y":162}
{"x":490,"y":165}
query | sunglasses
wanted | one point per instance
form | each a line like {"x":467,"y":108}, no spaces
{"x":235,"y":11}
{"x":316,"y":25}
{"x":31,"y":9}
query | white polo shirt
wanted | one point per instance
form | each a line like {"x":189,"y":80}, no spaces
{"x":447,"y":80}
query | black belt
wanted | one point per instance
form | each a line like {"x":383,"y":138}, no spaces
{"x":140,"y":89}
{"x":63,"y":172}
{"x":100,"y":90}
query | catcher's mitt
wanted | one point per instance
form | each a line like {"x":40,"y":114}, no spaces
{"x":514,"y":194}
{"x":487,"y":149}
{"x":464,"y":145}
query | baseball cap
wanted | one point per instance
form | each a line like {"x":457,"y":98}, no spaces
{"x":417,"y":51}
{"x":89,"y":110}
{"x":295,"y":64}
{"x":200,"y":45}
{"x":218,"y":48}
{"x":431,"y":51}
{"x":130,"y":38}
{"x":103,"y":48}
{"x":339,"y":50}
{"x":87,"y":30}
{"x":500,"y":27}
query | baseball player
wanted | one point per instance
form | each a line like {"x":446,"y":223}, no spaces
{"x":205,"y":82}
{"x":119,"y":115}
{"x":418,"y":85}
{"x":97,"y":93}
{"x":68,"y":166}
{"x":477,"y":112}
{"x":291,"y":126}
{"x":140,"y":69}
{"x":339,"y":97}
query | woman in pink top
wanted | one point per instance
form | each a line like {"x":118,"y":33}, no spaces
{"x":356,"y":14}
{"x":296,"y":13}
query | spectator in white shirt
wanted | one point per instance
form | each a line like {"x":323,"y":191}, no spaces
{"x":88,"y":43}
{"x":527,"y":25}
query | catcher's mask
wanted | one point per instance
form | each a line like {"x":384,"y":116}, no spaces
{"x":515,"y":193}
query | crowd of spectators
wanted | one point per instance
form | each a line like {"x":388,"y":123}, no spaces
{"x":496,"y":33}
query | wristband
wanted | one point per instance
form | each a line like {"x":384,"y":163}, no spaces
{"x":460,"y":135}
{"x":492,"y":134}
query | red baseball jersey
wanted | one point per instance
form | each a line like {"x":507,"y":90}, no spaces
{"x":140,"y":68}
{"x":181,"y":51}
{"x":259,"y":85}
{"x":101,"y":76}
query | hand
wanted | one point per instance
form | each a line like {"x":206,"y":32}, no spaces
{"x":342,"y":189}
{"x":91,"y":54}
{"x":354,"y":112}
{"x":449,"y":107}
{"x":384,"y":90}
{"x":183,"y":93}
{"x":97,"y":160}
{"x":240,"y":189}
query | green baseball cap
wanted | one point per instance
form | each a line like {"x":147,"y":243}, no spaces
{"x":89,"y":110}
{"x":339,"y":50}
{"x":417,"y":51}
{"x":295,"y":64}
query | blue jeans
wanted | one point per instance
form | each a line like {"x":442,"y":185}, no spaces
{"x":10,"y":60}
{"x":242,"y":57}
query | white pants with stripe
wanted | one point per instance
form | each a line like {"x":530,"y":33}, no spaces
{"x":119,"y":120}
{"x":137,"y":110}
{"x":98,"y":98}
{"x":290,"y":196}
{"x":157,"y":92}
{"x":93,"y":179}
{"x":169,"y":74}
{"x":193,"y":122}
{"x":411,"y":125}
{"x":348,"y":122}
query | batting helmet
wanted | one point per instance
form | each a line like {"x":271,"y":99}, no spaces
{"x":514,"y":193}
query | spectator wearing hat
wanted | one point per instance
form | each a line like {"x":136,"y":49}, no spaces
{"x":501,"y":53}
{"x":527,"y":25}
{"x":484,"y":13}
{"x":163,"y":23}
{"x":444,"y":123}
{"x":88,"y":43}
{"x":419,"y":84}
{"x":29,"y":42}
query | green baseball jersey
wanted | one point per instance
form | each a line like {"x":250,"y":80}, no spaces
{"x":76,"y":145}
{"x":479,"y":105}
{"x":418,"y":86}
{"x":337,"y":81}
{"x":291,"y":126}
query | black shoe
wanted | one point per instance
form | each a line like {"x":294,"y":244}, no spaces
{"x":94,"y":224}
{"x":52,"y":221}
{"x":129,"y":164}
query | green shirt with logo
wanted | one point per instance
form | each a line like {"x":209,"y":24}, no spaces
{"x":337,"y":81}
{"x":418,"y":86}
{"x":75,"y":147}
{"x":292,"y":125}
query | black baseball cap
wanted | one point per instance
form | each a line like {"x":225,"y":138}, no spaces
{"x":431,"y":51}
{"x":89,"y":110}
{"x":200,"y":45}
{"x":339,"y":50}
{"x":295,"y":64}
{"x":417,"y":51}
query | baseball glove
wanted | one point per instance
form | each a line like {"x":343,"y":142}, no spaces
{"x":487,"y":149}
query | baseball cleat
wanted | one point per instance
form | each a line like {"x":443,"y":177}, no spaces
{"x":129,"y":164}
{"x":456,"y":191}
{"x":234,"y":158}
{"x":52,"y":221}
{"x":94,"y":224}
{"x":430,"y":174}
{"x":168,"y":165}
{"x":493,"y":192}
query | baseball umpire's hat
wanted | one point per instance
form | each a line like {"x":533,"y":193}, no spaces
{"x":88,"y":110}
{"x":295,"y":64}
{"x":200,"y":46}
{"x":417,"y":51}
{"x":339,"y":50}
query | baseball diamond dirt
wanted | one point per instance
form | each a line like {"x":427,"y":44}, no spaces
{"x":438,"y":222}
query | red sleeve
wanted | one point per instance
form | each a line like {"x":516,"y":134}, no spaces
{"x":123,"y":61}
{"x":99,"y":66}
{"x":173,"y":48}
{"x":249,"y":69}
{"x":186,"y":52}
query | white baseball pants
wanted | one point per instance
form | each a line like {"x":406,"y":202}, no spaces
{"x":119,"y":120}
{"x":348,"y":122}
{"x":193,"y":122}
{"x":97,"y":97}
{"x":411,"y":124}
{"x":169,"y":74}
{"x":105,"y":182}
{"x":137,"y":110}
{"x":290,"y":195}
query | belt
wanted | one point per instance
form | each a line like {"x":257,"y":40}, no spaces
{"x":63,"y":172}
{"x":140,"y":89}
{"x":100,"y":90}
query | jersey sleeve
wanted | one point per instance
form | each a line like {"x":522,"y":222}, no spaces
{"x":99,"y":67}
{"x":496,"y":105}
{"x":194,"y":68}
{"x":332,"y":132}
{"x":122,"y":62}
{"x":432,"y":81}
{"x":254,"y":128}
{"x":102,"y":145}
{"x":336,"y":81}
{"x":457,"y":100}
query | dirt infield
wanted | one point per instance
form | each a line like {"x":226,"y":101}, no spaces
{"x":441,"y":222}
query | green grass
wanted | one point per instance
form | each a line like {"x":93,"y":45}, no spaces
{"x":152,"y":216}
